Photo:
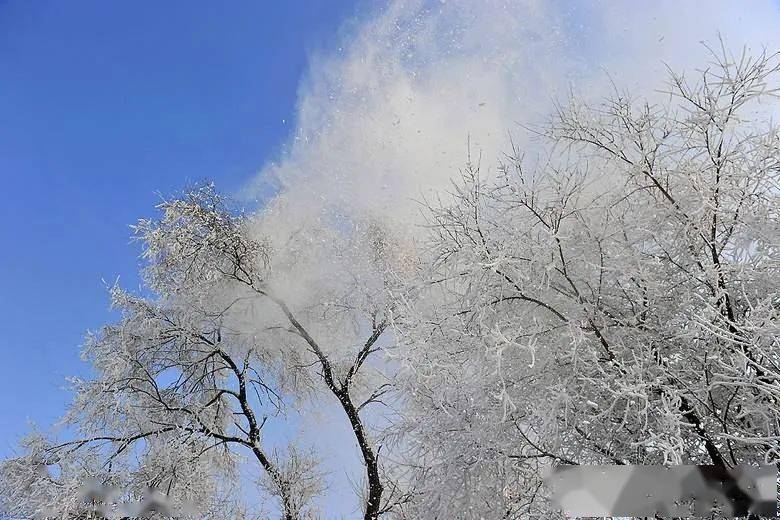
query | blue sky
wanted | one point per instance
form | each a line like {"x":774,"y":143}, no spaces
{"x":105,"y":104}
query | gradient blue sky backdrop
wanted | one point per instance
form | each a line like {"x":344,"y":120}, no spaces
{"x":102,"y":105}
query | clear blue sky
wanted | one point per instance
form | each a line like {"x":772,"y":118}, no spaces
{"x":102,"y":105}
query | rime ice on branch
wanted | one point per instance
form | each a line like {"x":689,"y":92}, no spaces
{"x":614,"y":303}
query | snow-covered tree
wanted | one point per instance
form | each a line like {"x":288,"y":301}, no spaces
{"x":225,"y":341}
{"x":614,"y":303}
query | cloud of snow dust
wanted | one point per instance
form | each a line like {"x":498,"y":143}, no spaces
{"x":388,"y":116}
